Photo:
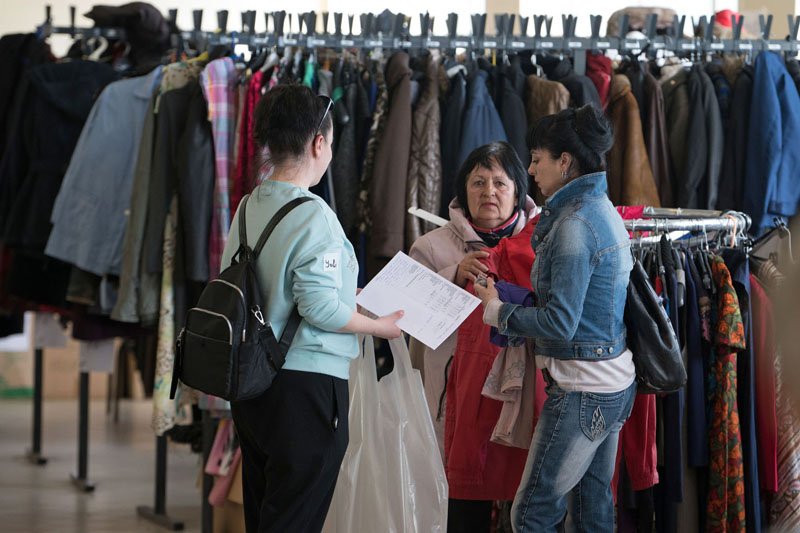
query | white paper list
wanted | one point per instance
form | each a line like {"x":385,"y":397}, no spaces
{"x":434,"y":307}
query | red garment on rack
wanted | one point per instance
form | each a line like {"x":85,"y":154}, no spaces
{"x":764,"y":358}
{"x":244,"y":173}
{"x":598,"y":69}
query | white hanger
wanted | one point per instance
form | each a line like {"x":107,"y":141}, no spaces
{"x":271,"y":61}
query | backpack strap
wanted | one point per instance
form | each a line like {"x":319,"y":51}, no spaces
{"x":243,"y":222}
{"x":288,"y":332}
{"x":243,"y":249}
{"x":282,"y":212}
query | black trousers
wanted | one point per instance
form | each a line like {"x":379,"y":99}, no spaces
{"x":293,"y":439}
{"x":469,"y":516}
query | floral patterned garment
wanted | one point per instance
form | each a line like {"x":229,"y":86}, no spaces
{"x":726,"y":507}
{"x":166,"y":412}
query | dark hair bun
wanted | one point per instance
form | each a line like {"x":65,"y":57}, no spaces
{"x":585,"y":133}
{"x":594,"y":129}
{"x":286,"y":120}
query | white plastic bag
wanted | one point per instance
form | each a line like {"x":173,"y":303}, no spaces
{"x":392,"y":478}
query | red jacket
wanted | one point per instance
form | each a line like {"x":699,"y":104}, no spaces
{"x":476,"y":468}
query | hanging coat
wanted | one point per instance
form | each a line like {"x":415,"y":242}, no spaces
{"x":734,"y":162}
{"x":772,"y":181}
{"x":56,"y":106}
{"x":698,"y":186}
{"x":508,"y":98}
{"x":598,"y":69}
{"x":581,"y":89}
{"x":387,"y":194}
{"x":630,"y":180}
{"x":656,"y":140}
{"x":451,"y":132}
{"x":676,"y":106}
{"x":344,"y":165}
{"x":544,"y":98}
{"x":138,"y":299}
{"x":18,"y":53}
{"x":482,"y":123}
{"x":90,"y":213}
{"x":423,"y":189}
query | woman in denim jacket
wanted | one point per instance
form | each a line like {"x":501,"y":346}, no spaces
{"x":580,"y":278}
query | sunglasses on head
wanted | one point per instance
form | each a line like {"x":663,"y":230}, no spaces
{"x":327,"y":110}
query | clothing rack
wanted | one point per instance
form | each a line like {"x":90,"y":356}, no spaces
{"x":504,"y":41}
{"x":728,"y":222}
{"x":34,"y":454}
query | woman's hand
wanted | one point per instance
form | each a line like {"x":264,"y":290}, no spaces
{"x":487,"y":293}
{"x":386,"y":326}
{"x":470,"y":267}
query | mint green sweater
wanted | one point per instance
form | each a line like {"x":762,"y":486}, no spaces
{"x":307,"y":262}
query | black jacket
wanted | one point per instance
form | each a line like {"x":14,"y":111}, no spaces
{"x":345,"y":165}
{"x":732,"y":177}
{"x":455,"y":102}
{"x":581,"y":89}
{"x":54,"y":109}
{"x":18,"y":53}
{"x":508,"y":99}
{"x":183,"y":164}
{"x":705,"y":144}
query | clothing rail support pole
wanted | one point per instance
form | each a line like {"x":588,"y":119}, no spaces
{"x":79,"y":479}
{"x":35,"y":452}
{"x":208,"y":480}
{"x":158,"y":513}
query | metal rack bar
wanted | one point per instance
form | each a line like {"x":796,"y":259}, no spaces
{"x":35,"y":453}
{"x":158,"y":513}
{"x":399,"y":38}
{"x":207,"y":523}
{"x":79,"y":478}
{"x":686,"y":224}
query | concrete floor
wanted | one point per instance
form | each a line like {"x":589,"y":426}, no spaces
{"x":37,"y":499}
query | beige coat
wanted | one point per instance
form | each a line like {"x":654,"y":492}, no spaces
{"x":442,"y":250}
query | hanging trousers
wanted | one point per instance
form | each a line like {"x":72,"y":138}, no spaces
{"x":293,"y":440}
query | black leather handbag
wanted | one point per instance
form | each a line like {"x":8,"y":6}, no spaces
{"x":651,"y":338}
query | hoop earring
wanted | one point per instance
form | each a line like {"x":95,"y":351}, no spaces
{"x":563,"y":175}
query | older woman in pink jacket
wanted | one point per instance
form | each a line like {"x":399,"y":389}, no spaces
{"x":491,"y":203}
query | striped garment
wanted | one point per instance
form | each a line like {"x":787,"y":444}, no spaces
{"x":785,"y":508}
{"x":218,"y":81}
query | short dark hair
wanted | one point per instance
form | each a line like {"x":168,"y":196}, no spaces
{"x":503,"y":154}
{"x":584,"y":133}
{"x":286,"y":120}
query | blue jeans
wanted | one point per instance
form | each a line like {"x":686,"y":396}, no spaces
{"x":571,"y":462}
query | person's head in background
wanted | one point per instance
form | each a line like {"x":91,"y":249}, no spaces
{"x":491,"y":185}
{"x":294,"y":131}
{"x":567,"y":145}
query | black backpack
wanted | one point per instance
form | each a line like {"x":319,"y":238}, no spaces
{"x":226,"y":348}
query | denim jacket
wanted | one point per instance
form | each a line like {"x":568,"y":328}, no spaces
{"x":580,"y":276}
